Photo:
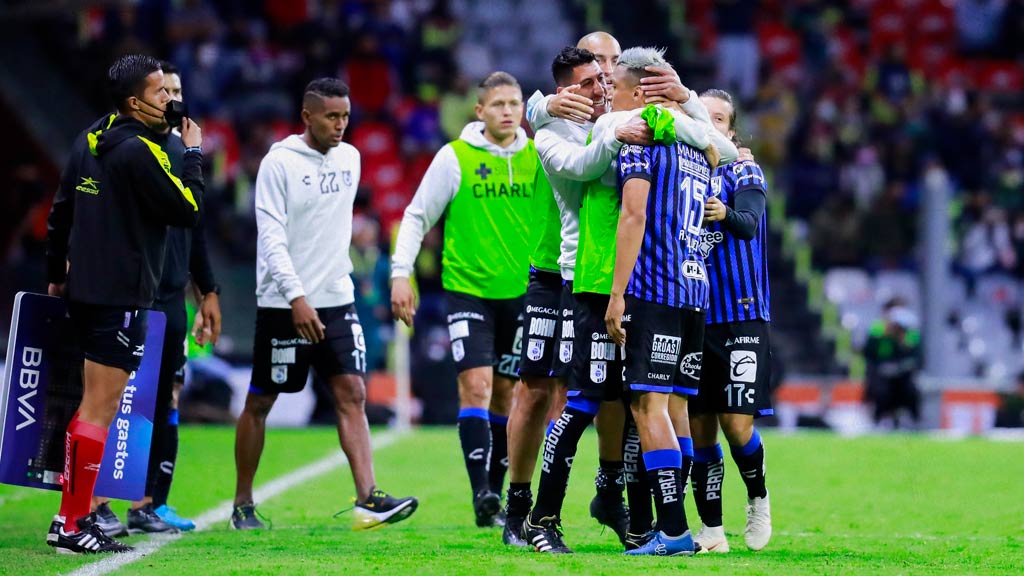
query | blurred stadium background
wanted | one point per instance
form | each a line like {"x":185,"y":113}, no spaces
{"x":893,"y":132}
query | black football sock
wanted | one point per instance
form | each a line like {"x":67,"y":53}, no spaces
{"x":708,"y":473}
{"x":749,"y":459}
{"x":638,"y":490}
{"x":559,"y":451}
{"x":475,"y":436}
{"x":664,"y":472}
{"x":499,"y":452}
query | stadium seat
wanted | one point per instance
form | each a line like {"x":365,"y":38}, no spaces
{"x":898,"y":283}
{"x":847,"y":285}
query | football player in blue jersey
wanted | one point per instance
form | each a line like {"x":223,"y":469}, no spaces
{"x":734,"y":385}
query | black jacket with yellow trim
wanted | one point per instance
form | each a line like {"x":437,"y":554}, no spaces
{"x":121,"y":194}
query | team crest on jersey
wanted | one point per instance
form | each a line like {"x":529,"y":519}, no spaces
{"x":535,"y":349}
{"x":565,"y":351}
{"x":278,"y":374}
{"x":346,"y":177}
{"x":716,"y":186}
{"x":458,"y":350}
{"x":598,"y":371}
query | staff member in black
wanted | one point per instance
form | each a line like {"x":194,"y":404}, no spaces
{"x":186,"y":258}
{"x":119,"y":195}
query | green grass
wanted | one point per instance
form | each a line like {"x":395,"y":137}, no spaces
{"x":875,"y":505}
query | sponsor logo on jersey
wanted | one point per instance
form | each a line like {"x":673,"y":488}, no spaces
{"x":602,"y":350}
{"x":541,"y":310}
{"x":465,"y":316}
{"x":743,"y":366}
{"x":694,"y":270}
{"x":289,"y":342}
{"x":691,"y":365}
{"x":708,"y":240}
{"x":88,"y":186}
{"x":458,"y":329}
{"x":282,"y":355}
{"x":665,"y":349}
{"x":543,"y":327}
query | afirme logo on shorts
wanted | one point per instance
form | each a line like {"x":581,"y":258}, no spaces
{"x":665,"y":349}
{"x":542,"y":327}
{"x":282,"y":355}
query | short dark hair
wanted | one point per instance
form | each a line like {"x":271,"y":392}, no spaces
{"x":327,"y":88}
{"x":725,"y":97}
{"x":169,"y":68}
{"x":127,"y":77}
{"x":494,"y":80}
{"x":567,"y":60}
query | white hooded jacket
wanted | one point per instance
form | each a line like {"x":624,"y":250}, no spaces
{"x":304,"y":223}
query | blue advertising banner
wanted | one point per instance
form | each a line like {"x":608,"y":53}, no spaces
{"x":42,"y":388}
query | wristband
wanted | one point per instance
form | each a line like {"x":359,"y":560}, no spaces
{"x":194,"y":149}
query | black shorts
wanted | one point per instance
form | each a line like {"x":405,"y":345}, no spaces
{"x":597,"y":362}
{"x":545,"y":351}
{"x":737,"y":370}
{"x":663,"y":347}
{"x":485,"y":332}
{"x":110,"y":335}
{"x":282,"y":358}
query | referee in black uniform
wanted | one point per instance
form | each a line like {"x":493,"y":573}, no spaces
{"x":119,"y":196}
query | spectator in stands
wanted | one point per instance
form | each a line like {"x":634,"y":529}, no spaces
{"x":370,"y":274}
{"x":1011,"y":406}
{"x":836,"y":234}
{"x":891,"y":241}
{"x":978,"y":25}
{"x":738,"y":52}
{"x":893,"y":357}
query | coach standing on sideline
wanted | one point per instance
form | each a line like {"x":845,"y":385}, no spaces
{"x":121,"y":196}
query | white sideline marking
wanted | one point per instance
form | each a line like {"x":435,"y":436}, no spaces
{"x":222,"y":512}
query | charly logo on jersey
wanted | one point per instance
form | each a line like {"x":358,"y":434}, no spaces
{"x":598,"y":371}
{"x":535,"y":349}
{"x":708,"y":240}
{"x":565,"y":351}
{"x":743,"y":366}
{"x":694,"y":270}
{"x":691,"y":365}
{"x":279,"y":374}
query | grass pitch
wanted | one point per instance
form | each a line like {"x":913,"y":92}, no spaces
{"x":873,"y":505}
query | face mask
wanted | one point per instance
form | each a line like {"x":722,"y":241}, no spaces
{"x":173,"y":114}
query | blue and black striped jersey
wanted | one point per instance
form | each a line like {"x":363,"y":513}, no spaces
{"x":737,"y":269}
{"x":670,"y":268}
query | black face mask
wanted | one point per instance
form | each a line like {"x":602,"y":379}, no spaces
{"x":173,"y":114}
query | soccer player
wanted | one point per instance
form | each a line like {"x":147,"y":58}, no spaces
{"x":597,"y":365}
{"x":484,"y":184}
{"x":305,"y":316}
{"x":109,"y":222}
{"x":547,"y":322}
{"x":734,"y":385}
{"x":658,"y":299}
